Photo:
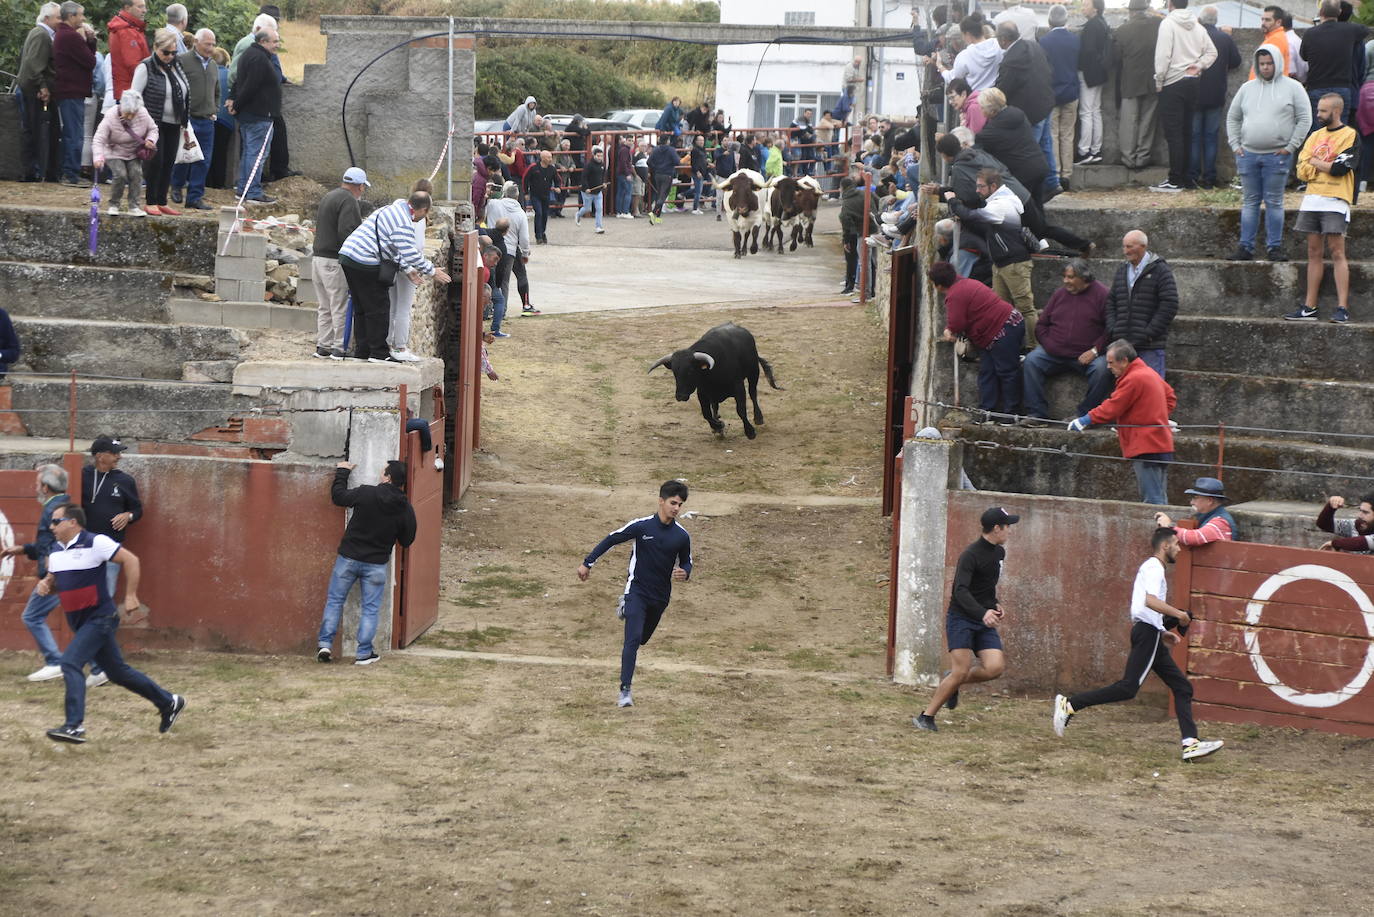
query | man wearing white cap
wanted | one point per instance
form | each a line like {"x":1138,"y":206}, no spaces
{"x":521,"y":121}
{"x":340,"y":213}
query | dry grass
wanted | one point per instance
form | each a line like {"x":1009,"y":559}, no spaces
{"x":301,"y":43}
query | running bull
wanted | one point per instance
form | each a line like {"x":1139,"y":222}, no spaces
{"x":716,"y":368}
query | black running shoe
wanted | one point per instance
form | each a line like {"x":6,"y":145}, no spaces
{"x":169,"y":716}
{"x":324,"y":655}
{"x":926,"y":723}
{"x":74,"y":734}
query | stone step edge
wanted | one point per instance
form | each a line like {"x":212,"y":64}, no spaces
{"x":243,"y":314}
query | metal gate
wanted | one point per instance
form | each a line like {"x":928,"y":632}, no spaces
{"x":468,"y":395}
{"x":416,"y":597}
{"x":903,"y":321}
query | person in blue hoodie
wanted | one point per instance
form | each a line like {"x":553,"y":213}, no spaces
{"x":663,"y":164}
{"x":671,"y":119}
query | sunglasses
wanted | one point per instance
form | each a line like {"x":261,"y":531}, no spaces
{"x":54,"y":523}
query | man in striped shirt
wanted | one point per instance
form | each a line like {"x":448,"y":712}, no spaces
{"x":1214,"y":523}
{"x":76,"y":574}
{"x":387,"y":234}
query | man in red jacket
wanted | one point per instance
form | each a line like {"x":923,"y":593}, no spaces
{"x":128,"y":33}
{"x":1140,"y":407}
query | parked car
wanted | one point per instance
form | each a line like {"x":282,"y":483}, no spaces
{"x":596,"y":124}
{"x":639,"y":117}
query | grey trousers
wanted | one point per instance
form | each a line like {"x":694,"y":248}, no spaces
{"x":1137,"y":131}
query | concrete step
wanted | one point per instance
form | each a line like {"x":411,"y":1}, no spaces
{"x":146,"y":409}
{"x":1105,"y":176}
{"x":39,"y":234}
{"x":1059,"y":466}
{"x":243,"y":314}
{"x":59,"y":345}
{"x":1227,"y":288}
{"x":88,"y":292}
{"x":1192,"y":232}
{"x":1272,"y":347}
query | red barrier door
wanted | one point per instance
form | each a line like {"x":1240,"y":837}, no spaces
{"x":468,"y":395}
{"x":19,"y":513}
{"x":416,"y":607}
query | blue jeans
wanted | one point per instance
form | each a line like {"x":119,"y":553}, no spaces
{"x":372,"y":581}
{"x":95,"y":642}
{"x":1315,"y":95}
{"x":641,"y":620}
{"x":1202,"y":164}
{"x":36,"y":620}
{"x":191,"y":175}
{"x":1262,"y":177}
{"x":1151,"y":474}
{"x":591,"y":203}
{"x":999,"y":370}
{"x":1045,"y":138}
{"x":624,"y":191}
{"x":73,"y":115}
{"x":251,"y":137}
{"x":498,"y":308}
{"x":1039,"y":364}
{"x":964,"y":262}
{"x":541,"y":216}
{"x":697,"y":184}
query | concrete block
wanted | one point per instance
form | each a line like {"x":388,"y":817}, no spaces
{"x":196,"y":312}
{"x":247,"y":315}
{"x":292,"y":318}
{"x":227,"y":217}
{"x":305,"y":292}
{"x":329,"y":374}
{"x":921,"y":597}
{"x":305,"y":268}
{"x":208,"y":371}
{"x":231,"y":268}
{"x":241,"y":290}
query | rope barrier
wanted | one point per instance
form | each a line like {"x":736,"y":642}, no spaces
{"x":248,"y":183}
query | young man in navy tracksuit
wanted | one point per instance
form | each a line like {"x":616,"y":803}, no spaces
{"x":662,"y":553}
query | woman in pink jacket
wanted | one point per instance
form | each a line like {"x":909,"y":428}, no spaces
{"x":124,"y":129}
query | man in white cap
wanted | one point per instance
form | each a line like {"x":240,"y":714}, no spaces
{"x":340,"y":213}
{"x":521,"y":121}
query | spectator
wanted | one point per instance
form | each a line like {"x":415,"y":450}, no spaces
{"x":480,"y":177}
{"x":1062,"y":49}
{"x":852,"y":229}
{"x":700,"y":166}
{"x":1211,"y":96}
{"x":772,"y":164}
{"x":720,"y":126}
{"x":1143,"y":301}
{"x":1295,"y":59}
{"x":663,"y":163}
{"x":128,"y":43}
{"x":1072,"y":334}
{"x":624,"y":179}
{"x":1140,"y":408}
{"x":1022,"y":18}
{"x":540,"y":182}
{"x":202,"y":75}
{"x":670,"y":121}
{"x":387,"y":234}
{"x":1025,"y":79}
{"x":51,"y":489}
{"x":1008,"y":136}
{"x":494,"y":300}
{"x":122,"y":132}
{"x":382,"y":518}
{"x":999,"y":221}
{"x":503,"y":204}
{"x":110,"y":498}
{"x":10,"y":348}
{"x":37,"y":73}
{"x":640,"y":202}
{"x":1183,"y":50}
{"x":73,"y":54}
{"x":699,"y":119}
{"x":1353,"y":535}
{"x":1095,"y":65}
{"x":338,"y":214}
{"x":991,"y":325}
{"x":804,"y":142}
{"x":1211,"y":520}
{"x":972,"y":247}
{"x":260,"y":22}
{"x":176,"y":21}
{"x":1135,"y":42}
{"x":569,"y":168}
{"x":1327,"y":163}
{"x":1265,"y":126}
{"x":226,"y":128}
{"x":852,"y":78}
{"x":964,"y":101}
{"x":1329,"y":48}
{"x":1271,"y":24}
{"x":255,"y":101}
{"x":977,"y":64}
{"x":165,"y":90}
{"x":402,"y":292}
{"x":521,"y":121}
{"x":594,"y":183}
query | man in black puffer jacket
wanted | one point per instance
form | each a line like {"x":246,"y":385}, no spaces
{"x":1142,"y":302}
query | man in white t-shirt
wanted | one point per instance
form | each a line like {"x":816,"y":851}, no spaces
{"x":1151,"y":639}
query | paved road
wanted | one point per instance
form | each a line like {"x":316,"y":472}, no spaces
{"x":684,"y":260}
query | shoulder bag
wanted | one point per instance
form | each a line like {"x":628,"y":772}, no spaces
{"x":386,"y":269}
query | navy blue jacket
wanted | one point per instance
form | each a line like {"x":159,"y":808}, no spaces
{"x":9,"y":343}
{"x":657,"y":549}
{"x":1211,"y":88}
{"x":663,"y":160}
{"x":41,"y":546}
{"x":1061,"y":49}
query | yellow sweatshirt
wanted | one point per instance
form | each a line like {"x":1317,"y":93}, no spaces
{"x":1340,"y":147}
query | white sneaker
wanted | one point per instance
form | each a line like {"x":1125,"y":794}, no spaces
{"x":113,"y":210}
{"x":600,"y":229}
{"x":405,"y":356}
{"x":438,"y":463}
{"x":94,"y":681}
{"x":625,"y":700}
{"x":1062,"y":714}
{"x":1196,"y":749}
{"x":137,"y":212}
{"x":47,"y":673}
{"x":890,"y":216}
{"x":697,"y":212}
{"x":577,"y":218}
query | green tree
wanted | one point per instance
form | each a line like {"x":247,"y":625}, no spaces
{"x":564,"y":81}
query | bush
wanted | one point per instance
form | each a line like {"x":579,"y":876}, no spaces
{"x":560,"y":78}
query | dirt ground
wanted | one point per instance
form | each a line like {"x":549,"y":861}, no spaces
{"x":768,"y":766}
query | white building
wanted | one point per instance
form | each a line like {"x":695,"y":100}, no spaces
{"x":769,"y":85}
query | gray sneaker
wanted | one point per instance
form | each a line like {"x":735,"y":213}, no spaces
{"x":625,"y":699}
{"x":925,"y":723}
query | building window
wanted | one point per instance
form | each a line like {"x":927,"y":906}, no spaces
{"x":799,"y":18}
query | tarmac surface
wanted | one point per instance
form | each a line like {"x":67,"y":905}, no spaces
{"x":685,"y":260}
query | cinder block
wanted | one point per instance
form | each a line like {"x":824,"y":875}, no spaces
{"x":230,"y":268}
{"x":293,"y":318}
{"x":305,"y":291}
{"x":254,"y":246}
{"x":227,"y":215}
{"x":248,"y":314}
{"x":197,"y":312}
{"x":305,"y":268}
{"x":241,"y":290}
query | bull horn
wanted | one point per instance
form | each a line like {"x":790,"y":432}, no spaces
{"x":663,"y":361}
{"x":706,"y":358}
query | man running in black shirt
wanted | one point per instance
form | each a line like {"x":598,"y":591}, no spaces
{"x":662,"y":553}
{"x":974,"y":613}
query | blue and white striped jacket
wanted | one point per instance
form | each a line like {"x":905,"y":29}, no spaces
{"x":392,"y":227}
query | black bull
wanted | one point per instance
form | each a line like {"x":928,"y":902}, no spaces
{"x":716,"y":368}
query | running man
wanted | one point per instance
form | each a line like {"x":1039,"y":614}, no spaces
{"x":973,"y":616}
{"x":1150,"y":642}
{"x":662,"y":553}
{"x":76,"y":574}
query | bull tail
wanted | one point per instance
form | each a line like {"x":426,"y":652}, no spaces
{"x":768,"y":371}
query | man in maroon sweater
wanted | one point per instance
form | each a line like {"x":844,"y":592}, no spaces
{"x":1353,"y":535}
{"x":73,"y":53}
{"x":1072,"y":331}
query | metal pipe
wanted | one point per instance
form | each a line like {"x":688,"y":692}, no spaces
{"x":450,"y":109}
{"x":1221,"y":447}
{"x":71,"y":413}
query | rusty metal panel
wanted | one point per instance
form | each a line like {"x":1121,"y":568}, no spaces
{"x":19,"y":512}
{"x":469,"y":369}
{"x":418,"y":565}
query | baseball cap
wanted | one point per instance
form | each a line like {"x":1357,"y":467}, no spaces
{"x":356,"y":176}
{"x":998,"y":516}
{"x":107,"y":444}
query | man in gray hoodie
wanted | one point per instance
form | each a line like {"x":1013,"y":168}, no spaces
{"x":1266,"y":125}
{"x":1183,"y":50}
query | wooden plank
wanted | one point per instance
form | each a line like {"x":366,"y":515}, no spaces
{"x":1277,"y":644}
{"x":1255,"y":696}
{"x":1307,"y":676}
{"x":1210,"y":580}
{"x":1344,"y":620}
{"x":1265,"y":559}
{"x":1217,"y":713}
